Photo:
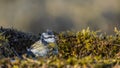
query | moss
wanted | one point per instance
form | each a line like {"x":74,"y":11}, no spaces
{"x":84,"y":48}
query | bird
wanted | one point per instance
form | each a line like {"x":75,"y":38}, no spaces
{"x":45,"y":46}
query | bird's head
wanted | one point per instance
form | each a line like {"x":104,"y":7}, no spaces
{"x":49,"y":39}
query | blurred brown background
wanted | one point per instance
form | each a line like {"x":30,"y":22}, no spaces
{"x":60,"y":15}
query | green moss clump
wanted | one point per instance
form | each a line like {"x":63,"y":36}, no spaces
{"x":86,"y":42}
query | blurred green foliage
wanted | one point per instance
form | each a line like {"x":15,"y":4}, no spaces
{"x":85,"y":49}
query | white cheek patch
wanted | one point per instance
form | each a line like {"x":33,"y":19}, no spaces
{"x":45,"y":35}
{"x":50,"y":40}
